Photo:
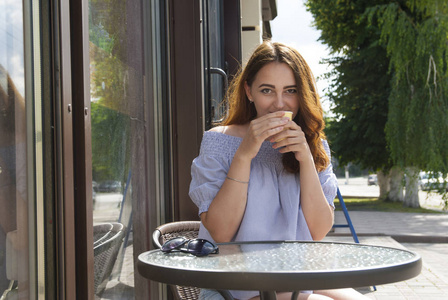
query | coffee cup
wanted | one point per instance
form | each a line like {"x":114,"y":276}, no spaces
{"x":287,"y":114}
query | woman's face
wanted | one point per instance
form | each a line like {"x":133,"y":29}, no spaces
{"x":274,"y":89}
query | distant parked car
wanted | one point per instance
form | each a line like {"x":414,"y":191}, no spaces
{"x":372,"y":180}
{"x":426,"y":182}
{"x":95,"y":185}
{"x":109,"y":186}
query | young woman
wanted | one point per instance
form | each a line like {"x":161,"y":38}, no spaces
{"x":261,"y":176}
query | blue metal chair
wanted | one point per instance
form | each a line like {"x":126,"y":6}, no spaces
{"x":349,"y":221}
{"x":347,"y":218}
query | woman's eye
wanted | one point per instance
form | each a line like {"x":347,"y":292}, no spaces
{"x":265,"y":91}
{"x":291,"y":91}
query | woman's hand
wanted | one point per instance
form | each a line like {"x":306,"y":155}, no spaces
{"x":292,"y":139}
{"x":260,"y":130}
{"x":318,"y":214}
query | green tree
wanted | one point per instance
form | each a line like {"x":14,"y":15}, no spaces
{"x":415,"y":36}
{"x":360,"y":84}
{"x":359,"y":93}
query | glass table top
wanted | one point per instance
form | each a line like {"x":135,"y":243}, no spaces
{"x":284,"y":257}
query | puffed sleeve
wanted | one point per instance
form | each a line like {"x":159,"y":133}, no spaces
{"x":328,"y":179}
{"x":207,"y":176}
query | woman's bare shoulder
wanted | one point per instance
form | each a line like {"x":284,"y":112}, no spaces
{"x":219,"y":129}
{"x":233,"y":130}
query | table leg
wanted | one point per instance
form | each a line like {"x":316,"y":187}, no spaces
{"x":273,"y":295}
{"x":268,"y":295}
{"x":226,"y":295}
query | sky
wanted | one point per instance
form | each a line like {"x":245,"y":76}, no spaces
{"x":293,"y":26}
{"x":11,"y":43}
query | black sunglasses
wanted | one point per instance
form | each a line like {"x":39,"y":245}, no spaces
{"x":196,"y":247}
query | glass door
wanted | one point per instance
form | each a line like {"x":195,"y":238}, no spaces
{"x":129,"y":139}
{"x":116,"y":90}
{"x":16,"y":200}
{"x":215,"y":80}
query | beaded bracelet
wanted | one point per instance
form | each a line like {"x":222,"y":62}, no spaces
{"x":245,"y":182}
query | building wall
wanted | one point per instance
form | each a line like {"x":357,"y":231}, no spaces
{"x":251,"y":21}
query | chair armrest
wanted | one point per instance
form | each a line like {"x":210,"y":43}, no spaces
{"x":180,"y":228}
{"x":156,"y":238}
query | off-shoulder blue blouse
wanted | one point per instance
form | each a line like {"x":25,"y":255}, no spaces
{"x":273,"y":210}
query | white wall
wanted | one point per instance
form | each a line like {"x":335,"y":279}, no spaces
{"x":250,"y":17}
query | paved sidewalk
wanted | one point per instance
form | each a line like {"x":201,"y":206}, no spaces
{"x":431,"y":284}
{"x":414,"y":227}
{"x":426,"y":234}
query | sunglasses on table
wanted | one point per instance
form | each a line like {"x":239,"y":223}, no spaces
{"x":196,"y":247}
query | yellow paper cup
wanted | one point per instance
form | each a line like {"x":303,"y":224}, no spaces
{"x":289,"y":115}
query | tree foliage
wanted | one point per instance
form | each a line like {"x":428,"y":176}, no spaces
{"x":415,"y":36}
{"x":360,"y":84}
{"x":342,"y":23}
{"x":359,"y":94}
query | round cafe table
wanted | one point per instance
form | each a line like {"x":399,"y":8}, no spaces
{"x":282,"y":266}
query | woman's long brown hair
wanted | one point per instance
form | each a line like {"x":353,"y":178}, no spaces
{"x":310,"y":113}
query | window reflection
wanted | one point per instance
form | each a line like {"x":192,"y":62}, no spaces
{"x":13,"y":185}
{"x":116,"y":94}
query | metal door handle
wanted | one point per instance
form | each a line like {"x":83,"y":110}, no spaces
{"x":226,"y":84}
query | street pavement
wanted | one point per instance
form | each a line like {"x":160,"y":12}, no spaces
{"x":423,"y":233}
